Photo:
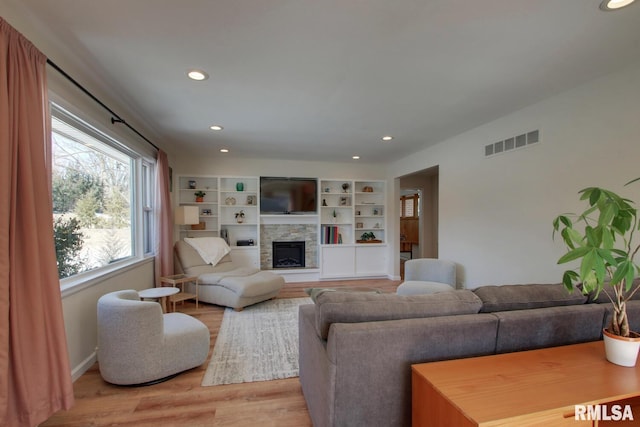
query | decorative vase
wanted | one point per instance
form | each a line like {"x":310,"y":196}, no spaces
{"x":622,"y":351}
{"x":240,"y":219}
{"x":239,"y":186}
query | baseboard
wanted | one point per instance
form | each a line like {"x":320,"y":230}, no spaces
{"x":84,"y":366}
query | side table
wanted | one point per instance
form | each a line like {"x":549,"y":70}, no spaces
{"x":178,"y":281}
{"x":160,"y":294}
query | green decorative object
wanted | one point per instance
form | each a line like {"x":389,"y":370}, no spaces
{"x":601,"y":238}
{"x":199,"y":196}
{"x":239,"y":186}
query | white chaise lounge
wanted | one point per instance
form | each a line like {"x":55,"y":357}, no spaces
{"x":222,"y":282}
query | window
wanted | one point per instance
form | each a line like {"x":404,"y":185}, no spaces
{"x":95,"y":209}
{"x":147,"y":207}
{"x":409,"y":206}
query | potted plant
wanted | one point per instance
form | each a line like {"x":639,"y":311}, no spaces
{"x":367,"y":236}
{"x":601,"y":238}
{"x":240,"y":217}
{"x":200,"y":196}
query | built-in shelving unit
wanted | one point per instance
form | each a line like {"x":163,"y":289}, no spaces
{"x":239,"y":219}
{"x":336,"y":212}
{"x":229,"y":210}
{"x":369,"y":211}
{"x":208,"y":207}
{"x":352,"y":228}
{"x":351,"y":221}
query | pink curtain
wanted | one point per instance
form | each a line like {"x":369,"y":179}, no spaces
{"x":35,"y":379}
{"x":164,"y":229}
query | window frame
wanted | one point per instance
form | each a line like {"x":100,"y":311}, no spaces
{"x":140,"y":229}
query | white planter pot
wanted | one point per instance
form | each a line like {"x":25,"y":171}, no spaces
{"x":621,"y":350}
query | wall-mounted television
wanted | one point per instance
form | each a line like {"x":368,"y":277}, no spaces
{"x":279,"y":195}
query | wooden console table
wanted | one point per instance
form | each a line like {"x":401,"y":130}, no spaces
{"x":528,"y":388}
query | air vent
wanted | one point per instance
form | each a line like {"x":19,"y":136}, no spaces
{"x":512,"y":143}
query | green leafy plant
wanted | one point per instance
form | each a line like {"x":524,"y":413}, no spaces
{"x":200,"y":193}
{"x":68,"y":241}
{"x":240,"y":214}
{"x":368,"y":236}
{"x":601,"y":238}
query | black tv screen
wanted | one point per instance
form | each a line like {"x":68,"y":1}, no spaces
{"x":288,"y":195}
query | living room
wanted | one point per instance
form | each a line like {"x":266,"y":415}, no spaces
{"x":495,"y":211}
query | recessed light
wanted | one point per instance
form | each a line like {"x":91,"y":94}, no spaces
{"x":387,"y":138}
{"x":216,"y":127}
{"x":608,"y":5}
{"x":356,"y":157}
{"x":224,"y":150}
{"x":197,"y":75}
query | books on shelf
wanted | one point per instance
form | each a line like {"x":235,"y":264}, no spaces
{"x":331,"y":235}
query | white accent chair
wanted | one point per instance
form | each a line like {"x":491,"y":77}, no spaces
{"x":428,"y":276}
{"x":139,"y":345}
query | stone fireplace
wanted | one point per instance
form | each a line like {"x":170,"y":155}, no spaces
{"x":307,"y":234}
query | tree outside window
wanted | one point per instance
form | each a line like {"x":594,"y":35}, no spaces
{"x":92,"y":188}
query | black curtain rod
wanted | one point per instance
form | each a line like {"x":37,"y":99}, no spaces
{"x":115,"y":119}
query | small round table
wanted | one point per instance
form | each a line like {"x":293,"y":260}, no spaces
{"x":160,"y":294}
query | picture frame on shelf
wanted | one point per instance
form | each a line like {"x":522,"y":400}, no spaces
{"x":251,"y":200}
{"x":192,"y":185}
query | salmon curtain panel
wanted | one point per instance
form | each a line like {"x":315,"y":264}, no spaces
{"x":35,"y":379}
{"x":164,"y":228}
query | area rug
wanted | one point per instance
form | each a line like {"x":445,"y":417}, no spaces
{"x":259,"y":343}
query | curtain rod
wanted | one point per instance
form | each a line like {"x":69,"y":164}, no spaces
{"x":115,"y":119}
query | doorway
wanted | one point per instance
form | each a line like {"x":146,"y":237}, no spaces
{"x":423,"y":242}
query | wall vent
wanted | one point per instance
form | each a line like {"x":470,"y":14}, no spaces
{"x":512,"y":143}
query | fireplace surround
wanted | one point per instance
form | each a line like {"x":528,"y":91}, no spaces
{"x":307,"y":233}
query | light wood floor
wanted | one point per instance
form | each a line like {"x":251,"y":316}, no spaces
{"x":182,"y":402}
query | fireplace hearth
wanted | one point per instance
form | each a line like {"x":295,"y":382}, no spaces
{"x":288,"y":254}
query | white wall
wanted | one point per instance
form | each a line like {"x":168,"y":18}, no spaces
{"x":226,"y":164}
{"x":495,"y":213}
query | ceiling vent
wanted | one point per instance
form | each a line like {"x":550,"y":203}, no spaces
{"x":512,"y":143}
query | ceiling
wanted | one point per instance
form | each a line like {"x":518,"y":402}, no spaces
{"x":326,"y":79}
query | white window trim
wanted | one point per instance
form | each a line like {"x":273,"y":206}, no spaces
{"x":80,"y":281}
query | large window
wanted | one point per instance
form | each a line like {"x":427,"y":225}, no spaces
{"x":95,"y":208}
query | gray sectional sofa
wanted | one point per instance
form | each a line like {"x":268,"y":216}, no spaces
{"x":357,"y":348}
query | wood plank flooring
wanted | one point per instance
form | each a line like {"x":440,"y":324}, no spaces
{"x":182,"y":402}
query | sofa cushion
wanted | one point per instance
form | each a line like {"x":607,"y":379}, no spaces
{"x":522,"y":297}
{"x":520,"y":330}
{"x":350,"y":307}
{"x":314,"y":293}
{"x":603,"y":298}
{"x":419,"y":287}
